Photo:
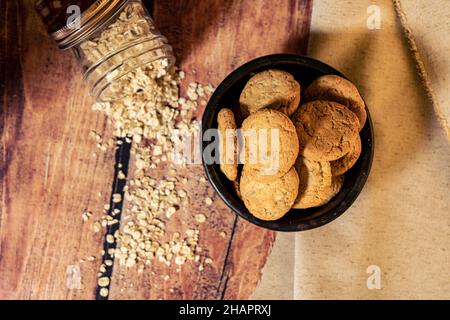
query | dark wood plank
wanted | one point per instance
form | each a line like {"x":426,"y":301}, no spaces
{"x":210,"y":39}
{"x":48,"y":174}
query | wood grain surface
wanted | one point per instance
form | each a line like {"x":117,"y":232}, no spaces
{"x":49,"y":175}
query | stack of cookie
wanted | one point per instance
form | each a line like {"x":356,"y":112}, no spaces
{"x":328,"y":128}
{"x":313,"y":146}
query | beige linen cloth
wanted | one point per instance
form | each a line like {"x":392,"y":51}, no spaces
{"x":401,"y":221}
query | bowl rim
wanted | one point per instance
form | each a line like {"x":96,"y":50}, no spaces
{"x":244,"y":71}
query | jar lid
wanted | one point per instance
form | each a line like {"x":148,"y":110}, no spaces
{"x":90,"y":20}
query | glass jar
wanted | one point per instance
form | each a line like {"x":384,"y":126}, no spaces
{"x":113,"y":38}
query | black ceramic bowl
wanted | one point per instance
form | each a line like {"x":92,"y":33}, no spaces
{"x":305,"y":70}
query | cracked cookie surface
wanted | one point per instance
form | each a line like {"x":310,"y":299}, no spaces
{"x":336,"y":184}
{"x":269,"y":200}
{"x":326,"y":130}
{"x":267,"y":159}
{"x":338,"y":89}
{"x":342,"y":165}
{"x":315,"y":182}
{"x":273,"y":89}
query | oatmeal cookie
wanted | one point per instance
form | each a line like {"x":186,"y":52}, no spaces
{"x":227,"y":143}
{"x":315,"y":182}
{"x":269,"y":200}
{"x":338,"y":89}
{"x":237,"y":188}
{"x":265,"y":157}
{"x":274,"y":89}
{"x":336,"y":185}
{"x":343,"y":164}
{"x":326,"y":130}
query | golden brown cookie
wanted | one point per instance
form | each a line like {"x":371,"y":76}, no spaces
{"x":270,"y":144}
{"x":237,"y":189}
{"x":274,"y":89}
{"x":269,"y":200}
{"x":315,"y":182}
{"x":326,"y":130}
{"x":338,"y":89}
{"x":336,"y":185}
{"x":343,"y":164}
{"x":227,"y":143}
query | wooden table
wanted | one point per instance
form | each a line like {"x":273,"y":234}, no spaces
{"x":50,"y":176}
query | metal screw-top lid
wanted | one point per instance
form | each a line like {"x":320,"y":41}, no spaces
{"x":90,"y":21}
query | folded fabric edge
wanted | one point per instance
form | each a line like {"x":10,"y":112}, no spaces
{"x":420,"y":66}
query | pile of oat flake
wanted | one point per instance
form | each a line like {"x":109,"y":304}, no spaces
{"x":157,"y":121}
